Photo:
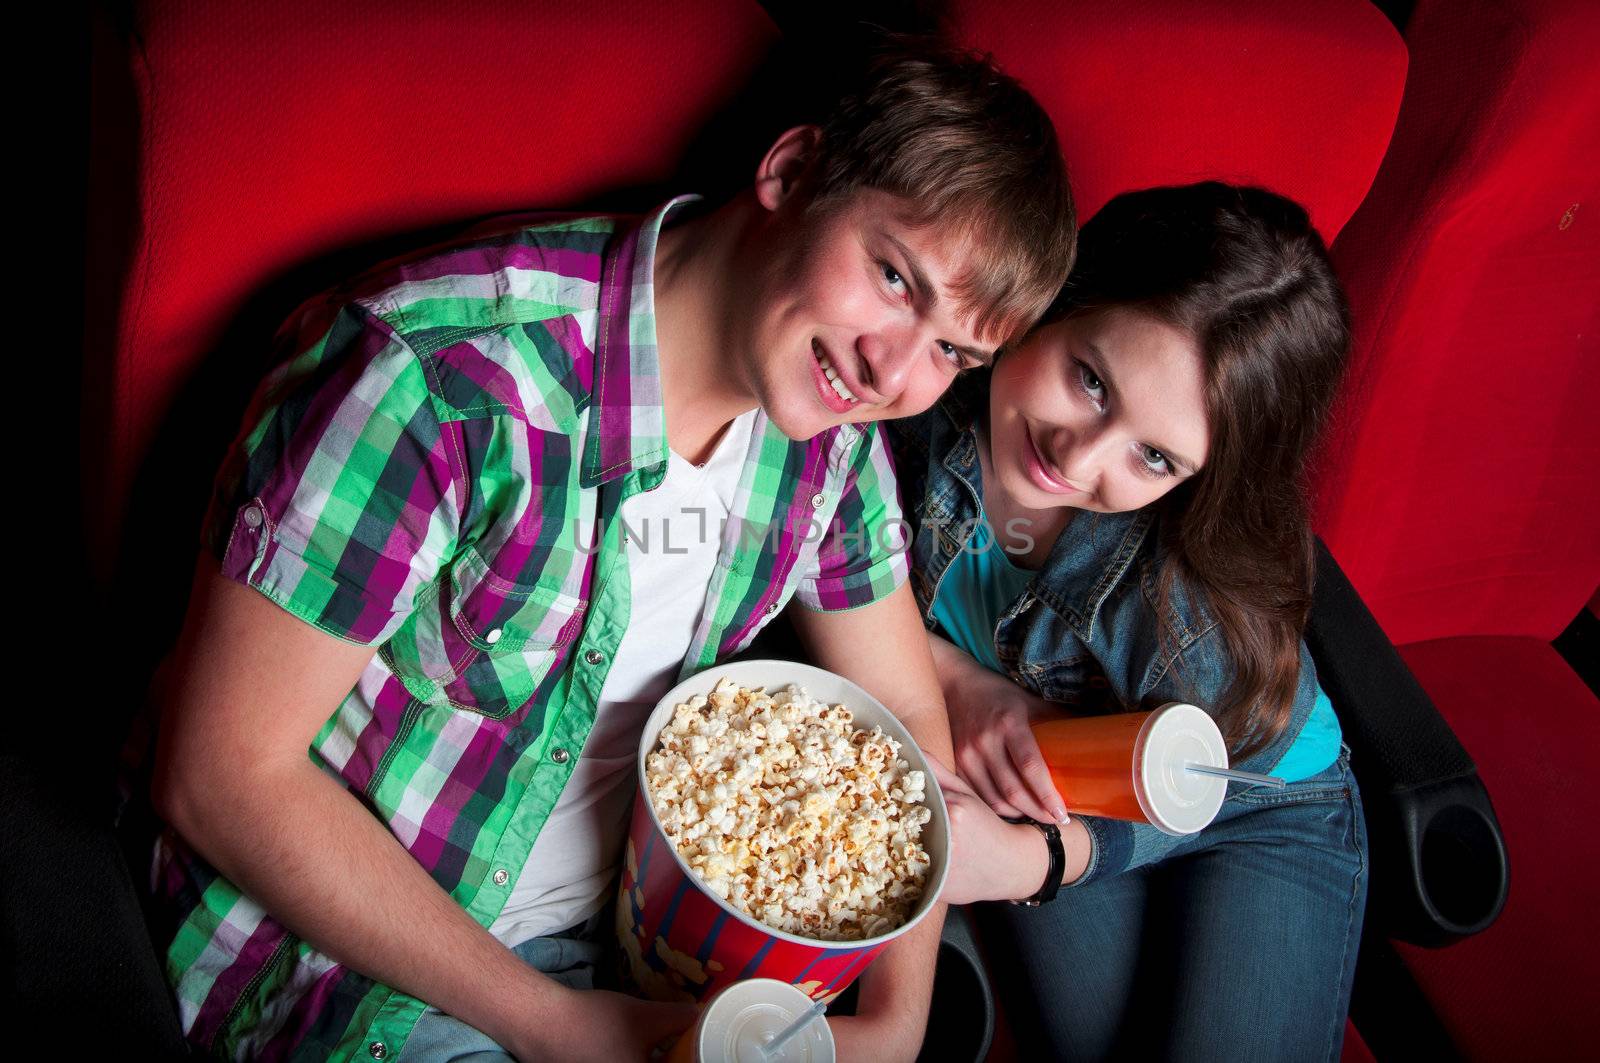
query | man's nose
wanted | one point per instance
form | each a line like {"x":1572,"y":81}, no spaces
{"x":887,"y":358}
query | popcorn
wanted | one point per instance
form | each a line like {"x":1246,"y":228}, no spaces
{"x":790,"y":813}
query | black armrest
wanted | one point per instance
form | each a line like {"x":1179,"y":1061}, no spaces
{"x":79,"y":959}
{"x":1439,"y":870}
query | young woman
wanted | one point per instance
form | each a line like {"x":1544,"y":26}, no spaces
{"x":1114,"y":520}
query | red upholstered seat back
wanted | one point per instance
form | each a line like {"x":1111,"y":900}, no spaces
{"x":1463,"y":497}
{"x":1297,"y":97}
{"x":274,"y":133}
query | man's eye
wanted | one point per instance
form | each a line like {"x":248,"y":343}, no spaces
{"x":952,"y":354}
{"x":893,"y":278}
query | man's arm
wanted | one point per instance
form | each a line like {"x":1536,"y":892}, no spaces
{"x":882,"y":647}
{"x":246,"y":692}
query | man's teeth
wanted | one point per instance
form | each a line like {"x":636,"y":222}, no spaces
{"x":833,"y":378}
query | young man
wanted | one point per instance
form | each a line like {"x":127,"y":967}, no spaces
{"x":495,"y":501}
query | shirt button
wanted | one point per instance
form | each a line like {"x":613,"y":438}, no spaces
{"x":378,"y":1050}
{"x":773,"y":608}
{"x":493,"y":636}
{"x":594,"y":657}
{"x":252,"y":516}
{"x":818,"y":500}
{"x":501,"y":877}
{"x":560,"y":756}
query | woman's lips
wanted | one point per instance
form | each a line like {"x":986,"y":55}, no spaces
{"x":1040,"y":473}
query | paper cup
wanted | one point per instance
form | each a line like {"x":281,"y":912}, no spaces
{"x":681,"y":941}
{"x":1131,"y":765}
{"x":738,"y":1020}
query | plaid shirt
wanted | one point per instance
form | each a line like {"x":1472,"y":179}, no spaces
{"x":435,"y":469}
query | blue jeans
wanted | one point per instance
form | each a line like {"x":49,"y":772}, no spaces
{"x":1239,"y":943}
{"x":572,"y":957}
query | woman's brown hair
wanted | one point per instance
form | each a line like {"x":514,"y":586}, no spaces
{"x":1243,"y":272}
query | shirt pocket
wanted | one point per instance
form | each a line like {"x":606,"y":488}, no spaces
{"x":483,"y":643}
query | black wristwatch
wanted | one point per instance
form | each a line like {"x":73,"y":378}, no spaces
{"x":1058,"y":861}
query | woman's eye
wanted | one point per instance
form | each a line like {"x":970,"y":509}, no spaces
{"x":1092,"y":385}
{"x":1155,"y":463}
{"x":891,"y":277}
{"x":952,"y":354}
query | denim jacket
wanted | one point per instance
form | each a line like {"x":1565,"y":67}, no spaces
{"x":1084,"y":633}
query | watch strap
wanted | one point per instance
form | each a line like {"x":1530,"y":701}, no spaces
{"x":1058,"y":861}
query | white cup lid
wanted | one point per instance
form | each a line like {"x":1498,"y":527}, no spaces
{"x":738,"y":1020}
{"x":1175,"y":800}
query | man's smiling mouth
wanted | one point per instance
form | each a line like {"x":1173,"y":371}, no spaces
{"x":828,"y":370}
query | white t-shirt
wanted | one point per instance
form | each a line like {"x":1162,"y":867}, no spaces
{"x":672,"y":551}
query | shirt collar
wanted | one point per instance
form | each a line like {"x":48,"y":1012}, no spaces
{"x":629,"y":423}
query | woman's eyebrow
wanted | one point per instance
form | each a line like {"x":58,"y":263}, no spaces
{"x":1098,"y":364}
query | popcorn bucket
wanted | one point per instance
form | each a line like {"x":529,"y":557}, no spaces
{"x":683,"y":942}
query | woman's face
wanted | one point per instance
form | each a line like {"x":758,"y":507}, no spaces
{"x":1104,"y":412}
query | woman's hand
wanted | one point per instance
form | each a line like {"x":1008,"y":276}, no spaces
{"x":995,"y":749}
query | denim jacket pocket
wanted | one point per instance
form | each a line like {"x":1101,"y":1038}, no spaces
{"x":483,"y":643}
{"x":1074,"y":680}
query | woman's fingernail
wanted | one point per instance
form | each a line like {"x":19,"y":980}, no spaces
{"x":1061,"y":814}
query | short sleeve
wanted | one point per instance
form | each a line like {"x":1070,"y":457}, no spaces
{"x":338,"y":499}
{"x":861,"y":557}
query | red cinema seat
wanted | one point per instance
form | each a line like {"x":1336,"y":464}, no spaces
{"x":1299,"y":98}
{"x":1159,"y":92}
{"x":1518,"y":989}
{"x":1460,"y":495}
{"x":238,"y":145}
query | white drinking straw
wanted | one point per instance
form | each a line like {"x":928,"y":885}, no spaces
{"x":770,"y":1049}
{"x":1236,"y":775}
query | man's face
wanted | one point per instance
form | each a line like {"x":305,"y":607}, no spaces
{"x":851,"y":316}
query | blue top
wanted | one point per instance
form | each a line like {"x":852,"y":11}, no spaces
{"x":978,"y":586}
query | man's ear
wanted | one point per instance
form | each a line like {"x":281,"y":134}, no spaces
{"x":785,"y":164}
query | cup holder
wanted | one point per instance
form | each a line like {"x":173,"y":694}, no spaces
{"x":1462,"y":867}
{"x":961,"y":1021}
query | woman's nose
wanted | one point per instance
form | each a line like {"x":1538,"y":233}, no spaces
{"x":1080,"y":455}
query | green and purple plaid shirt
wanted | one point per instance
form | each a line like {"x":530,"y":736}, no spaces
{"x":435,"y":469}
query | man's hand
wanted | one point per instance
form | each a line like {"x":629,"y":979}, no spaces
{"x":995,"y":750}
{"x":606,"y":1027}
{"x":991,"y":860}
